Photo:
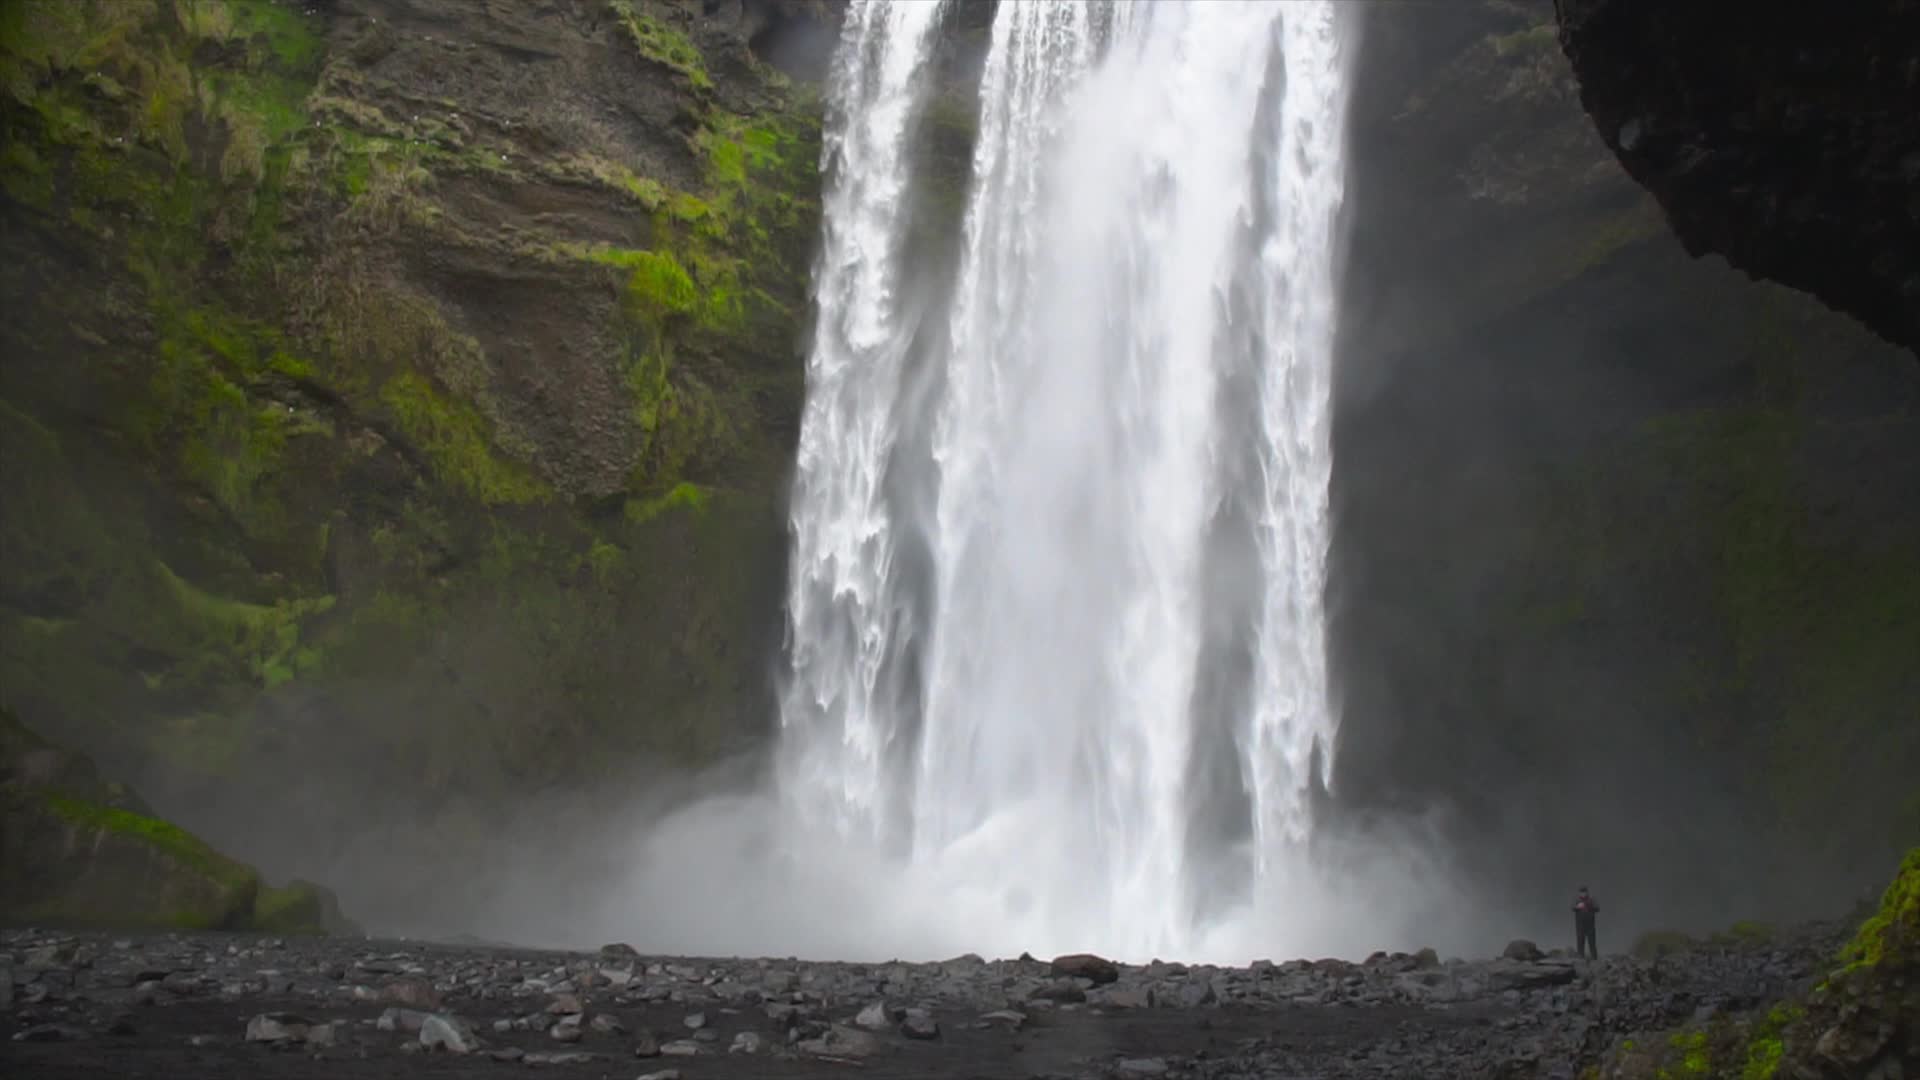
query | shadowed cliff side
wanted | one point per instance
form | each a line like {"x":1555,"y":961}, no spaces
{"x":1621,"y":573}
{"x":1789,"y":144}
{"x":398,"y":398}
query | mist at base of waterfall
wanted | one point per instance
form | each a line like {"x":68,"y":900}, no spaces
{"x":734,"y":876}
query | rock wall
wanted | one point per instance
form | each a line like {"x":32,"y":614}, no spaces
{"x":1621,"y":580}
{"x":398,"y":398}
{"x":1785,"y":142}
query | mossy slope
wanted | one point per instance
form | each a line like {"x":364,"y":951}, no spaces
{"x":1862,"y":1020}
{"x":80,"y":851}
{"x":361,"y":369}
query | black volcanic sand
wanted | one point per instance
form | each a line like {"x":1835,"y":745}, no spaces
{"x":167,"y":1006}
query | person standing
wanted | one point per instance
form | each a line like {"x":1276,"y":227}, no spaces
{"x":1585,"y":908}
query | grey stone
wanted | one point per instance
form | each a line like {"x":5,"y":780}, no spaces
{"x":840,"y":1040}
{"x":661,"y":1074}
{"x":49,"y":1033}
{"x":695,"y":1021}
{"x":874,"y":1017}
{"x":680,"y":1048}
{"x":441,"y":1031}
{"x":507,"y":1053}
{"x":567,"y":1030}
{"x":277,"y":1028}
{"x":1098,"y":969}
{"x":561,"y":1057}
{"x":1521,"y":949}
{"x":746,"y":1042}
{"x":920,"y":1026}
{"x":645,"y":1044}
{"x":1007,"y":1018}
{"x":607,"y":1024}
{"x":397,"y":1019}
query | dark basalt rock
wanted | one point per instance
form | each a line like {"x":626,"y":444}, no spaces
{"x":1784,"y":141}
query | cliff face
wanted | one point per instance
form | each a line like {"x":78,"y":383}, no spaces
{"x":1621,"y":565}
{"x":1788,"y":144}
{"x":398,"y":394}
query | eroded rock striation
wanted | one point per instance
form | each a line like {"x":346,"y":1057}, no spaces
{"x":1785,"y":140}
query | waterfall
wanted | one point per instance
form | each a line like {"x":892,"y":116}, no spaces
{"x":1092,"y":707}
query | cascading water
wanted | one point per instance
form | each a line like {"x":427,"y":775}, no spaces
{"x":1090,"y":711}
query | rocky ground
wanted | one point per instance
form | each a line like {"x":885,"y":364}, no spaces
{"x":212,"y":1005}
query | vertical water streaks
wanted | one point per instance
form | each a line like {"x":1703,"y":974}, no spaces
{"x":1123,"y":679}
{"x":843,"y":620}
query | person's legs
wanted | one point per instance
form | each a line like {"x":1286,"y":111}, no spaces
{"x":1583,"y":940}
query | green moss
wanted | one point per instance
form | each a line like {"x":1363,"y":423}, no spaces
{"x":264,"y":638}
{"x":1897,"y":922}
{"x":455,"y":438}
{"x":661,"y":43}
{"x":683,"y":496}
{"x":1657,"y":943}
{"x":299,"y":907}
{"x":1529,"y":42}
{"x":179,"y":844}
{"x":1766,"y":1045}
{"x":658,"y":288}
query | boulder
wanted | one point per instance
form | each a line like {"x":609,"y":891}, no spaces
{"x":442,"y":1031}
{"x":1086,"y":966}
{"x":82,"y":851}
{"x":1521,"y":949}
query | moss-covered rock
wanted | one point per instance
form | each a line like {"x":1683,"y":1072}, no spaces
{"x":71,"y":862}
{"x":299,"y":907}
{"x":359,"y":367}
{"x":1862,"y":1020}
{"x":83,"y":851}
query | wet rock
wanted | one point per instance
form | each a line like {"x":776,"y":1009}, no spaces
{"x":1503,"y":975}
{"x":606,"y":1024}
{"x":565,"y":1005}
{"x":442,"y":1031}
{"x":920,"y":1026}
{"x":840,"y":1040}
{"x":1086,"y":966}
{"x":278,"y":1028}
{"x":1521,"y":949}
{"x":746,"y":1042}
{"x":619,"y":951}
{"x":561,"y":1057}
{"x":1008,"y":1018}
{"x":40,"y":1033}
{"x":645,"y":1044}
{"x":1195,"y":993}
{"x":1132,"y":998}
{"x":662,"y":1074}
{"x":875,"y":1017}
{"x":397,"y":1019}
{"x":567,"y":1030}
{"x":411,"y":991}
{"x":680,"y":1048}
{"x":695,"y":1021}
{"x":507,"y":1054}
{"x":1063,"y":991}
